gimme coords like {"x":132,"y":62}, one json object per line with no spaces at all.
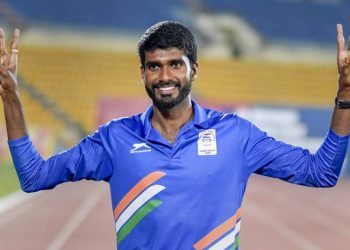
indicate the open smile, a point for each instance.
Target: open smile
{"x":165,"y":89}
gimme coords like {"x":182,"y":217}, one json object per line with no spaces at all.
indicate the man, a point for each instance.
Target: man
{"x":177,"y":172}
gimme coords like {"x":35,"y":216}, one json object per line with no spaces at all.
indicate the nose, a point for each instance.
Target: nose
{"x":165,"y":74}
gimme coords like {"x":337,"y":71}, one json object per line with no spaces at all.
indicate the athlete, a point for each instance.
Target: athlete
{"x":178,"y":171}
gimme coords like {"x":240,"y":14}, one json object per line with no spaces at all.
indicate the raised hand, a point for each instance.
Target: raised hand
{"x":15,"y":123}
{"x":9,"y":60}
{"x":8,"y":64}
{"x":343,"y":59}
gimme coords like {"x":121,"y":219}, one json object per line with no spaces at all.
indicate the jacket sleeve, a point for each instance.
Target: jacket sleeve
{"x":87,"y":160}
{"x":266,"y":156}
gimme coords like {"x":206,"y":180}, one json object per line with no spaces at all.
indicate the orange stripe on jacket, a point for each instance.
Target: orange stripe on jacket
{"x":218,"y":231}
{"x":136,"y":190}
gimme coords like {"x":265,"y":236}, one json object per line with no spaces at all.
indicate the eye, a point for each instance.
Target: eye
{"x":176,"y":64}
{"x":153,"y":67}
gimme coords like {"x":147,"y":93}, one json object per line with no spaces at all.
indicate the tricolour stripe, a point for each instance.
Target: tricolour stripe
{"x":227,"y":240}
{"x":136,"y":204}
{"x":136,"y":218}
{"x":218,"y":231}
{"x":236,"y":244}
{"x":136,"y":190}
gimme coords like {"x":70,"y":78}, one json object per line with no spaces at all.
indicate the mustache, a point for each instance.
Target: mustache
{"x":166,"y":84}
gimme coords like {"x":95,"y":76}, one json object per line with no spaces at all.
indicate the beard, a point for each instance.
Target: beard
{"x":167,"y":102}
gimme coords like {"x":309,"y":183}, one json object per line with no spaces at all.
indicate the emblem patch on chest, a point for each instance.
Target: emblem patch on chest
{"x":207,"y":142}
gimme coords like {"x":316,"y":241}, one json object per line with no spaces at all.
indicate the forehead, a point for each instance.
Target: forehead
{"x":160,"y":55}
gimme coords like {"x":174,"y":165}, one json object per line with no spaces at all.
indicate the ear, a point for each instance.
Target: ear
{"x":195,"y":70}
{"x":142,"y":71}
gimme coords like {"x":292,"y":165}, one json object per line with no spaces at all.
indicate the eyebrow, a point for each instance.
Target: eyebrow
{"x":177,"y":60}
{"x":171,"y":61}
{"x":151,"y":63}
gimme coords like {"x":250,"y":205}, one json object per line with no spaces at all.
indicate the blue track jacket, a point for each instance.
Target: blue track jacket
{"x":181,"y":196}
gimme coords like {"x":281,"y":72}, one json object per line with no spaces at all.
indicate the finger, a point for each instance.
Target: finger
{"x":2,"y":43}
{"x":13,"y":62}
{"x":340,"y":38}
{"x":3,"y":73}
{"x":3,"y":70}
{"x":15,"y":41}
{"x":5,"y":60}
{"x":11,"y":66}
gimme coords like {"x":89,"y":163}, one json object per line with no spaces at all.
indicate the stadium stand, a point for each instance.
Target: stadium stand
{"x":99,"y":14}
{"x":280,"y":20}
{"x":76,"y":79}
{"x":267,"y":83}
{"x":291,"y":21}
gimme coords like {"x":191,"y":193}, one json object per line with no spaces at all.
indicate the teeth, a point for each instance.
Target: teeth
{"x":167,"y":88}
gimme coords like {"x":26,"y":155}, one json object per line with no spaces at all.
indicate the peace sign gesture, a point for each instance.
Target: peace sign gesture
{"x":343,"y":59}
{"x":8,"y":64}
{"x":9,"y":60}
{"x":15,"y":123}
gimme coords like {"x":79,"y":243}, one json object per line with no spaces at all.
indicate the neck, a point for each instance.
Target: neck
{"x":169,"y":122}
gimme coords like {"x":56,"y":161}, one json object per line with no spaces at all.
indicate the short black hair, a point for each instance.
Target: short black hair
{"x":165,"y":35}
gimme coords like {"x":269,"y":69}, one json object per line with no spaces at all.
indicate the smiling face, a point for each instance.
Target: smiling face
{"x":167,"y":75}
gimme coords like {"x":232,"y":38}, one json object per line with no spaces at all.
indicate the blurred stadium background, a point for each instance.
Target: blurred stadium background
{"x":271,"y":61}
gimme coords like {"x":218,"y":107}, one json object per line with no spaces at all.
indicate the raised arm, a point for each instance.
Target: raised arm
{"x":341,"y":117}
{"x":268,"y":157}
{"x":87,"y":160}
{"x":15,"y":123}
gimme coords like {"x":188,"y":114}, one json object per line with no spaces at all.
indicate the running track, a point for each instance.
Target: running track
{"x":275,"y":216}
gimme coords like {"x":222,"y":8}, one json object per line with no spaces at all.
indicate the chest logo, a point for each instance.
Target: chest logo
{"x":140,"y":148}
{"x":207,"y":142}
